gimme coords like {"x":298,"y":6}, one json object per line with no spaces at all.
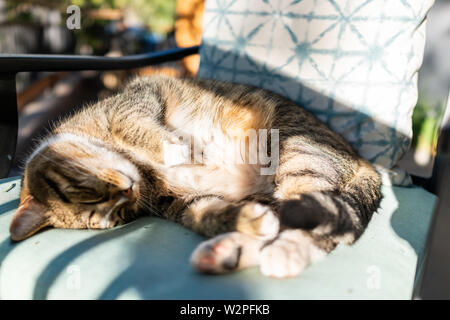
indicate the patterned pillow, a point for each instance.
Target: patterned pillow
{"x":353,"y":63}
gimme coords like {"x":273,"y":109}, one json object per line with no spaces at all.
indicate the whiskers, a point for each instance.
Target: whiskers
{"x":145,"y":203}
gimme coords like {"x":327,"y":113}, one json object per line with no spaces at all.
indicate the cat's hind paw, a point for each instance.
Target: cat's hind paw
{"x":280,"y":261}
{"x":289,"y":254}
{"x":225,"y":253}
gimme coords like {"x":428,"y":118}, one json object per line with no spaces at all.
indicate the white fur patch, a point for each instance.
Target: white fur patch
{"x":57,"y":138}
{"x":219,"y":166}
{"x":289,"y":254}
{"x":270,"y":224}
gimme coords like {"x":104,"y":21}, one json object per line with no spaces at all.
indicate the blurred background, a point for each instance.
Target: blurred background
{"x":124,"y":27}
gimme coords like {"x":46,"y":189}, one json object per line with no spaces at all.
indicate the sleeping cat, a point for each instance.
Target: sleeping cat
{"x":114,"y":161}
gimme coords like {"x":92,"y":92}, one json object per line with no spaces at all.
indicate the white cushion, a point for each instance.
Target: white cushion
{"x":353,"y":63}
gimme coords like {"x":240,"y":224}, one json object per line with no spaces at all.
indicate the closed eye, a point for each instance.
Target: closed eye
{"x":85,"y":195}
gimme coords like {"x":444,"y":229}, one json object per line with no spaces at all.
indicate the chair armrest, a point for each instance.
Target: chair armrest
{"x":11,"y":64}
{"x":14,"y":63}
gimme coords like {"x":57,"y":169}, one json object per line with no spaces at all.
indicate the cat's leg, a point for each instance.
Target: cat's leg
{"x":212,"y":215}
{"x":227,"y":252}
{"x":240,"y":230}
{"x":323,"y":201}
{"x":312,"y":225}
{"x":286,"y":255}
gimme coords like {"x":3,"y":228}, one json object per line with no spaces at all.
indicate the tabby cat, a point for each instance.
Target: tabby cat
{"x":114,"y":161}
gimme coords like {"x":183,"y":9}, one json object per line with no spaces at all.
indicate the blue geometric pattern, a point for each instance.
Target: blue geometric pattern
{"x":353,"y":63}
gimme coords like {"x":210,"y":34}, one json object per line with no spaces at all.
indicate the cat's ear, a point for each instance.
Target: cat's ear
{"x":28,"y":219}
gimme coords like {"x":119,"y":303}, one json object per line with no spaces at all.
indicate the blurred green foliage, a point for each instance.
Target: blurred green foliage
{"x":159,"y":15}
{"x":426,"y":122}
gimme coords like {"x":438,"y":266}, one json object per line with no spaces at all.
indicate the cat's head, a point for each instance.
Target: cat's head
{"x":75,"y":183}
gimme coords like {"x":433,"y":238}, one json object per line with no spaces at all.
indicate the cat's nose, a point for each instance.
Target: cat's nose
{"x":128,"y":193}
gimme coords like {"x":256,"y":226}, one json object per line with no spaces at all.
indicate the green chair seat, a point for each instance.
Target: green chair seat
{"x":149,"y":259}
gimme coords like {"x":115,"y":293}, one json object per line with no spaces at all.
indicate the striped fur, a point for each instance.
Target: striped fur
{"x":107,"y":164}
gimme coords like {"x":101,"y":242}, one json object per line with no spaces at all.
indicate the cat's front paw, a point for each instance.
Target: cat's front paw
{"x":225,"y":253}
{"x":258,"y":220}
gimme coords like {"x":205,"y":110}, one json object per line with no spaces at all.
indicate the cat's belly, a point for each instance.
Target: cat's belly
{"x":233,"y":182}
{"x":211,"y":160}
